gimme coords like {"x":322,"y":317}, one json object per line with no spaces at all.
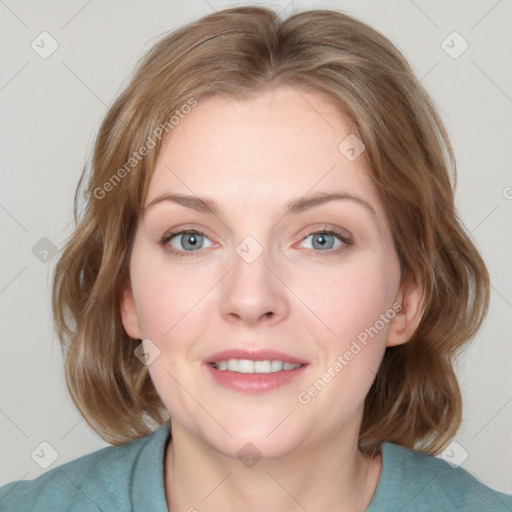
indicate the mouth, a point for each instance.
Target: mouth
{"x":250,"y":366}
{"x":254,"y":371}
{"x":261,"y":360}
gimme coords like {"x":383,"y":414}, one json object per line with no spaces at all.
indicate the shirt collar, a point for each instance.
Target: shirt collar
{"x":147,"y":484}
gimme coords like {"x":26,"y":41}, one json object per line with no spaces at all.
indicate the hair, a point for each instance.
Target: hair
{"x":415,"y":400}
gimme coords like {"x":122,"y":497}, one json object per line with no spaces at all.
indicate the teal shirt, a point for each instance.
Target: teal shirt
{"x":130,"y":478}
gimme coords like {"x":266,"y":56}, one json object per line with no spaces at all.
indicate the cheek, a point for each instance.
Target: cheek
{"x":356,"y":308}
{"x":166,"y":295}
{"x":170,"y":313}
{"x":354,"y":296}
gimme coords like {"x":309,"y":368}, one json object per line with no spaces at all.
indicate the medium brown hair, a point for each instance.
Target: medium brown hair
{"x":415,"y":399}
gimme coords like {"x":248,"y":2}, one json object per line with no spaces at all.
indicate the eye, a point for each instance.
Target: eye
{"x":190,"y":242}
{"x":186,"y":242}
{"x":327,"y":241}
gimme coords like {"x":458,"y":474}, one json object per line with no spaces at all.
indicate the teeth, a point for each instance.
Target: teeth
{"x":248,"y":366}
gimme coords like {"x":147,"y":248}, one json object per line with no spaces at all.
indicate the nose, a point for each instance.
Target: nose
{"x":252,"y":292}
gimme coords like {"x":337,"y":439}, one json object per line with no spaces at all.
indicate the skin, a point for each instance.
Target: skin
{"x":252,"y":157}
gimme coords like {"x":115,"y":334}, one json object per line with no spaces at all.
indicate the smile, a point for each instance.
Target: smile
{"x":249,"y":366}
{"x":254,"y":377}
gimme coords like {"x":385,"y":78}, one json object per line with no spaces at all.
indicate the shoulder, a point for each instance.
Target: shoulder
{"x":416,"y":481}
{"x":100,"y":480}
{"x":76,"y":484}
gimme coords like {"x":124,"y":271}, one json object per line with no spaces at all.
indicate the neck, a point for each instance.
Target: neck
{"x":198,"y":478}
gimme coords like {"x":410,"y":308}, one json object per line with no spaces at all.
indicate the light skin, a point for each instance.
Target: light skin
{"x":252,"y":157}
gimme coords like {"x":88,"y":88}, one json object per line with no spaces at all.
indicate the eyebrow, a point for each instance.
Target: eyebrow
{"x":296,"y":205}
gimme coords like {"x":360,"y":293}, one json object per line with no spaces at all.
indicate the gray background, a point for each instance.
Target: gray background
{"x":52,"y":107}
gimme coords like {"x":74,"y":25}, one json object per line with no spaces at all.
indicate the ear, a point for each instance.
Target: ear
{"x":406,"y":321}
{"x":129,"y":315}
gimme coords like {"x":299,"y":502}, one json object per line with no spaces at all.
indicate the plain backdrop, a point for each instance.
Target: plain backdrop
{"x":51,"y":108}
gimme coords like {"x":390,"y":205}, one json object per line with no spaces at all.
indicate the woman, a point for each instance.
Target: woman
{"x":269,"y":269}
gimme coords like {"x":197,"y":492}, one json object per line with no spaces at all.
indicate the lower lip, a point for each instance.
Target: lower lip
{"x":254,"y":382}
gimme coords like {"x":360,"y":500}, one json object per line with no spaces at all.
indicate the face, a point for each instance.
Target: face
{"x":253,"y":270}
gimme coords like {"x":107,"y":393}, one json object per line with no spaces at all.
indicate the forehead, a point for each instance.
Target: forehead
{"x":282,"y":143}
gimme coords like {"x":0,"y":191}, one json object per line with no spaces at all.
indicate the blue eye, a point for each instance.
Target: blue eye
{"x":323,"y":240}
{"x":185,"y":243}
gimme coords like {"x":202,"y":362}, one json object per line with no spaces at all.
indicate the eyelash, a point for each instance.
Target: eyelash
{"x":331,"y":252}
{"x":167,"y":237}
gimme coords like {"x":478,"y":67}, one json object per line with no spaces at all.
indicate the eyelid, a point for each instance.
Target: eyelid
{"x":324,"y":228}
{"x":176,"y":232}
{"x":330,"y":228}
{"x":344,"y":237}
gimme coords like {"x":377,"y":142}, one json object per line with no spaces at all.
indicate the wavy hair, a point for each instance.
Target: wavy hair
{"x":415,"y":400}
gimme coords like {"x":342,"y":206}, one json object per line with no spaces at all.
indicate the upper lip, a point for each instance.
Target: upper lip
{"x":260,"y":354}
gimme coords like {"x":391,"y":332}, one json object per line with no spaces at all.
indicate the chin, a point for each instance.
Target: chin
{"x":251,"y":449}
